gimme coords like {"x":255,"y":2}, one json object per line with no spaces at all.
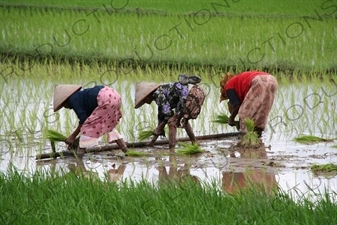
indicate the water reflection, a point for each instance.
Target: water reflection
{"x":174,"y":173}
{"x":114,"y":174}
{"x":261,"y":179}
{"x":79,"y":169}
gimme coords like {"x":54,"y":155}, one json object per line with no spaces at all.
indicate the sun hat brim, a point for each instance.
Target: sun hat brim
{"x":143,"y":89}
{"x":62,"y":92}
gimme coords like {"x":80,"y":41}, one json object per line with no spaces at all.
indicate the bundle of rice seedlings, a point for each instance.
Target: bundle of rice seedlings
{"x":134,"y":153}
{"x":145,"y":134}
{"x":55,"y":136}
{"x":330,"y":167}
{"x":222,"y":119}
{"x":250,"y":139}
{"x":189,"y":149}
{"x":309,"y":139}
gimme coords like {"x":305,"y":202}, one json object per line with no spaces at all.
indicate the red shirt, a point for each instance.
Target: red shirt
{"x":241,"y":82}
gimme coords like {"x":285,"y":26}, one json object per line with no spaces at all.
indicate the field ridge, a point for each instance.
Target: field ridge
{"x":146,"y":12}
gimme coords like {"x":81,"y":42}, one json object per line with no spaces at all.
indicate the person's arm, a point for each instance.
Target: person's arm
{"x":74,"y":104}
{"x":70,"y":140}
{"x":158,"y":131}
{"x":234,"y":113}
{"x":233,"y":105}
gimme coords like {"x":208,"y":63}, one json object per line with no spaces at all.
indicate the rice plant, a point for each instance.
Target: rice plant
{"x":189,"y":149}
{"x":55,"y":136}
{"x":330,"y":167}
{"x":310,"y":139}
{"x":134,"y":153}
{"x":145,"y":134}
{"x":250,"y":139}
{"x":222,"y":119}
{"x":141,"y":41}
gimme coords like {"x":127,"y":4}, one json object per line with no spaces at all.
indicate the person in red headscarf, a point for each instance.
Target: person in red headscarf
{"x":251,"y":95}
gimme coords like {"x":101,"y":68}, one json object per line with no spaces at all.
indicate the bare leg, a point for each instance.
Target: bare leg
{"x":121,"y":144}
{"x":80,"y":152}
{"x":190,"y":132}
{"x":157,"y":131}
{"x":172,"y":137}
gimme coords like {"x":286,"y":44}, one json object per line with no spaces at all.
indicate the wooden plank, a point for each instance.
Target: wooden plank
{"x":133,"y":145}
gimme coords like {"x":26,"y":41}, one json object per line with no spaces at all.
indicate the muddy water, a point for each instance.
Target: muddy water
{"x":307,"y":109}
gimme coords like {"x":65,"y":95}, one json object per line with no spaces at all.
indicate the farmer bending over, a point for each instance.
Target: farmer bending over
{"x":176,"y":105}
{"x":251,"y":95}
{"x":98,"y":111}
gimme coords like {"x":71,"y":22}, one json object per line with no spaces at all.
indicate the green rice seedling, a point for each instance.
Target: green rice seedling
{"x":55,"y":136}
{"x":134,"y":153}
{"x":189,"y":149}
{"x":250,"y":139}
{"x":144,"y":30}
{"x":222,"y":119}
{"x":309,"y":139}
{"x":145,"y":134}
{"x":329,"y":167}
{"x":79,"y":190}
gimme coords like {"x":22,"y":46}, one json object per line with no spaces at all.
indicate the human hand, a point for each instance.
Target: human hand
{"x":70,"y":140}
{"x":231,"y":121}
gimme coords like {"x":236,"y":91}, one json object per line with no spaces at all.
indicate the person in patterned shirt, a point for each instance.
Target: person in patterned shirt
{"x":176,"y":105}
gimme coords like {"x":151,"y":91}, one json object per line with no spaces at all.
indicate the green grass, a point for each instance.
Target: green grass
{"x":79,"y":199}
{"x":247,"y":42}
{"x":272,"y":7}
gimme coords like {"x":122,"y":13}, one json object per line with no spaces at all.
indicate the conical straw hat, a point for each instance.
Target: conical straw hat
{"x":143,"y":89}
{"x":62,"y":92}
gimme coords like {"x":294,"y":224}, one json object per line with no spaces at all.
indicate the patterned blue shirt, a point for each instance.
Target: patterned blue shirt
{"x":170,"y":97}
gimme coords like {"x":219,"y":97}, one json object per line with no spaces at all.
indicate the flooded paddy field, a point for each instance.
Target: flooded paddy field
{"x":307,"y":108}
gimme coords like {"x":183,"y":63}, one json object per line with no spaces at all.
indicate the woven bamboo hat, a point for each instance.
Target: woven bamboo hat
{"x":143,"y":89}
{"x":62,"y":92}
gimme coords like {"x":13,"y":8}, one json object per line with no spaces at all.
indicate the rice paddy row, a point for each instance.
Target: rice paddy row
{"x":129,"y":38}
{"x":26,"y":109}
{"x":258,"y":8}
